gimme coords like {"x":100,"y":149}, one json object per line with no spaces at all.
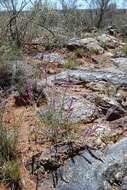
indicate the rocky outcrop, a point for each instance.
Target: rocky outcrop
{"x":112,"y":170}
{"x":121,"y":63}
{"x":94,"y":45}
{"x":110,"y":107}
{"x":84,"y":75}
{"x":108,"y":41}
{"x":89,"y":44}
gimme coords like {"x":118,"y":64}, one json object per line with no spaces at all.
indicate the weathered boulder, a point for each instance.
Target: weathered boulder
{"x":90,"y":44}
{"x":77,"y":76}
{"x":110,"y":107}
{"x":53,"y":57}
{"x":118,"y":54}
{"x":119,"y":123}
{"x":98,"y":175}
{"x":108,"y":41}
{"x":121,"y":63}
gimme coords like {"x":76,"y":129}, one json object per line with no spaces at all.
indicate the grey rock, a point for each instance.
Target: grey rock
{"x":121,"y":63}
{"x":116,"y":173}
{"x":110,"y":75}
{"x":53,"y":57}
{"x":118,"y":54}
{"x":90,"y":44}
{"x":98,"y":175}
{"x":114,"y":113}
{"x":119,"y":123}
{"x":110,"y":107}
{"x":108,"y":41}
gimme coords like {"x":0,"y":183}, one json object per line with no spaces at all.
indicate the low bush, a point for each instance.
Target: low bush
{"x":55,"y":124}
{"x":9,"y":157}
{"x":79,"y":52}
{"x":11,"y":174}
{"x":94,"y":51}
{"x":104,"y":45}
{"x":9,"y":51}
{"x":9,"y":55}
{"x":5,"y":75}
{"x":124,"y":49}
{"x":17,"y":75}
{"x":70,"y":64}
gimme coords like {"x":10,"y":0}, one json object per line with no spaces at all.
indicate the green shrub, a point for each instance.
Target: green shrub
{"x":124,"y":49}
{"x":55,"y":124}
{"x":104,"y":45}
{"x":9,"y":157}
{"x":14,"y":52}
{"x":11,"y":69}
{"x":70,"y":64}
{"x":5,"y":74}
{"x":8,"y":143}
{"x":9,"y":51}
{"x":8,"y":149}
{"x":11,"y":173}
{"x":79,"y":52}
{"x":55,"y":129}
{"x":94,"y":51}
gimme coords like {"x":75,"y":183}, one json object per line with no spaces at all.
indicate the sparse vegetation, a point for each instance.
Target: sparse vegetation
{"x":55,"y":122}
{"x":104,"y":45}
{"x":5,"y":75}
{"x":94,"y":51}
{"x":57,"y":67}
{"x":79,"y":52}
{"x":70,"y":64}
{"x":11,"y":174}
{"x":124,"y":49}
{"x":9,"y":157}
